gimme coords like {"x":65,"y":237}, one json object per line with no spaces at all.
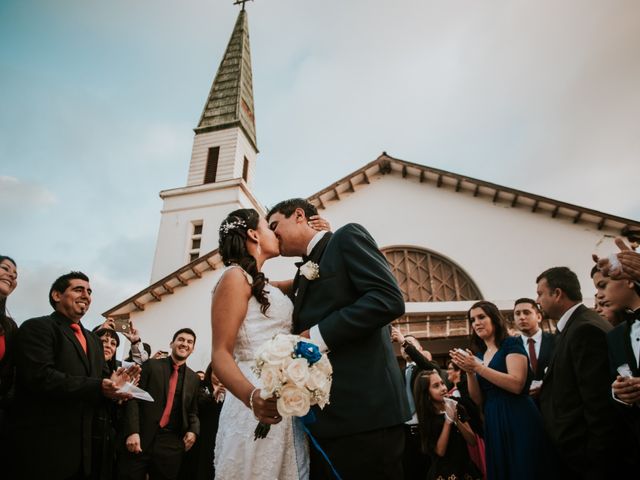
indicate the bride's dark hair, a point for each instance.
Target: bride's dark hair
{"x":233,"y":249}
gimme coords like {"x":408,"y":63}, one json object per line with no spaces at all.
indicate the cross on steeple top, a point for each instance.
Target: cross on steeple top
{"x":238,"y":2}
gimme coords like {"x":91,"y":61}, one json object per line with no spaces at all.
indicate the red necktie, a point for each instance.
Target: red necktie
{"x":78,"y":333}
{"x":532,"y":355}
{"x":173,"y":382}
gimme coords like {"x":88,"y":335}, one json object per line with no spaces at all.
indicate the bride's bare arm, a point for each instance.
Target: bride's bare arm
{"x":284,"y":285}
{"x":228,"y":311}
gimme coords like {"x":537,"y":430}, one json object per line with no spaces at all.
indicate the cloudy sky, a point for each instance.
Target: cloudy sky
{"x":98,"y":101}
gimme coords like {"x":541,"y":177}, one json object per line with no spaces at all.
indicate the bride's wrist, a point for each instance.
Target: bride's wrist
{"x":253,"y":392}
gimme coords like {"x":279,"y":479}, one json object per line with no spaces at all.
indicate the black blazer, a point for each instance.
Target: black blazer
{"x":144,"y":417}
{"x":621,"y":352}
{"x":575,"y":399}
{"x":422,"y":364}
{"x":547,"y":344}
{"x":58,"y":389}
{"x":352,"y":302}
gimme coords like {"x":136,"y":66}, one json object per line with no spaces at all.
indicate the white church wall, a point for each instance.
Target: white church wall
{"x":187,"y":307}
{"x":208,"y":204}
{"x":502,"y":248}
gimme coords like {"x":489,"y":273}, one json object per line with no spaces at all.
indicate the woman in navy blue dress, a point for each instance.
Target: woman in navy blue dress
{"x":499,"y":377}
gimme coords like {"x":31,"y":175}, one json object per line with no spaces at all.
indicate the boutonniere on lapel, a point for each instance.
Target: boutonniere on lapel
{"x":310,"y":270}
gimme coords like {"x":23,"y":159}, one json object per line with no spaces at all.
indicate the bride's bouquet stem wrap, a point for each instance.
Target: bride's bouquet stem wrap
{"x":296,"y":372}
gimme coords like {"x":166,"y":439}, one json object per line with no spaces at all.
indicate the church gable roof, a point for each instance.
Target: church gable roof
{"x":230,"y":101}
{"x":388,"y":165}
{"x":167,"y":285}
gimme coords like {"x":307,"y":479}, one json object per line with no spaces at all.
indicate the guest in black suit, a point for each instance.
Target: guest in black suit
{"x":60,"y":384}
{"x":575,"y":399}
{"x":158,"y":433}
{"x":538,"y":344}
{"x":346,"y":310}
{"x":624,"y":350}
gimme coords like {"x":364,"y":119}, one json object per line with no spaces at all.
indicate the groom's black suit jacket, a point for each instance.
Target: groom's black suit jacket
{"x":352,"y":302}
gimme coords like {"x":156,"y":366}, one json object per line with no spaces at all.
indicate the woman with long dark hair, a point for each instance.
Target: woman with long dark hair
{"x":246,"y":312}
{"x":498,"y":378}
{"x":8,"y":330}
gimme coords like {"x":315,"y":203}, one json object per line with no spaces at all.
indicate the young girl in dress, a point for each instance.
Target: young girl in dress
{"x":444,"y":430}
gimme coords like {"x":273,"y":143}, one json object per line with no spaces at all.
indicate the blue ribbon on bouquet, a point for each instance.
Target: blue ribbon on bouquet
{"x":308,"y":419}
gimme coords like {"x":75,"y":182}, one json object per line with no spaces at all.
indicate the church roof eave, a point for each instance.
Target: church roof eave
{"x":167,"y":285}
{"x":224,"y":126}
{"x":386,"y":165}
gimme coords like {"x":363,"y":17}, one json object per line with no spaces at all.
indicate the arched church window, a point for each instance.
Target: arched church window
{"x":425,"y":276}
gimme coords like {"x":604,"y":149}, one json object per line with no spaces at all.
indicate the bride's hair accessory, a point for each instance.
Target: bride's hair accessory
{"x":228,"y":225}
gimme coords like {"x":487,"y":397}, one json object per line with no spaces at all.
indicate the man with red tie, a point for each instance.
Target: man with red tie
{"x":60,"y":382}
{"x":158,"y":433}
{"x":538,"y":344}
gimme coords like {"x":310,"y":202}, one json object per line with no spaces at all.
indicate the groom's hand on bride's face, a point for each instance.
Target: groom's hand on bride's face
{"x":318,"y":223}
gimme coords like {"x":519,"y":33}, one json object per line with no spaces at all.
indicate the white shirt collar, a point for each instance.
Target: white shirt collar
{"x":565,"y":317}
{"x":314,"y":241}
{"x":537,"y":337}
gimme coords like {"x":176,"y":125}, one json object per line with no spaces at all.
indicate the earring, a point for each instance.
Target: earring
{"x":259,"y":250}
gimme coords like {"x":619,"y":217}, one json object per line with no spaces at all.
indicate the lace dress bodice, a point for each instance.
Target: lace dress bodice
{"x":258,"y":328}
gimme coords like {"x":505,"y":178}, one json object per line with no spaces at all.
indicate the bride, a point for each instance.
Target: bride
{"x":247,"y":311}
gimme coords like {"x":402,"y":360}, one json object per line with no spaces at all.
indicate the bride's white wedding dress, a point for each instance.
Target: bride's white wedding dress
{"x":284,"y":453}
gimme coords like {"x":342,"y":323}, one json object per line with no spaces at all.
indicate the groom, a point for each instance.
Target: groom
{"x":345,"y":307}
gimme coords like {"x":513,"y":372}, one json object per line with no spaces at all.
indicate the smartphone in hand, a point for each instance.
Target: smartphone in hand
{"x":122,"y":325}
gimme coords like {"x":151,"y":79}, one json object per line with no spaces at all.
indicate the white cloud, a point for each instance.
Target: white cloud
{"x":16,"y":194}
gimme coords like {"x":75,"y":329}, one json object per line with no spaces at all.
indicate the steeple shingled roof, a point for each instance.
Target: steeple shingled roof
{"x":230,"y":101}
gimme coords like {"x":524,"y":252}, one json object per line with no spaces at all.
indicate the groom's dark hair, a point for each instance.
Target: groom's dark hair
{"x":287,"y":207}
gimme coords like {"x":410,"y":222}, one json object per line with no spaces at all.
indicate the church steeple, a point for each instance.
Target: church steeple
{"x":230,"y":101}
{"x":224,"y":146}
{"x":222,"y":163}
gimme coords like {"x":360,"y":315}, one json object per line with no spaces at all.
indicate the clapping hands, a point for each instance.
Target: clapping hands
{"x":627,"y":265}
{"x":110,"y":386}
{"x":465,"y":360}
{"x":450,"y":410}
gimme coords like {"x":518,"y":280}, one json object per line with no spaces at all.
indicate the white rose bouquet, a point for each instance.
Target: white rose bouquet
{"x":294,"y":370}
